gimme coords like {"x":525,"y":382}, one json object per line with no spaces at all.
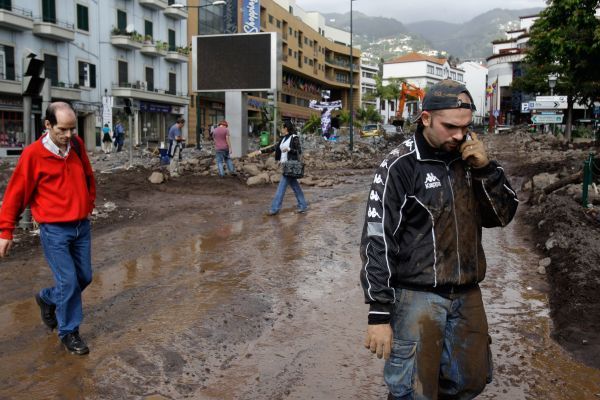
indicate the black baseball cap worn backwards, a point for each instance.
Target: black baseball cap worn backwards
{"x":444,"y":95}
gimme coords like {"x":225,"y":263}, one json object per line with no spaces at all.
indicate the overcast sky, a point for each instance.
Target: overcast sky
{"x":413,"y":11}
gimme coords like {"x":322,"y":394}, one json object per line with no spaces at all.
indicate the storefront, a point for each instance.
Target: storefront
{"x":12,"y":138}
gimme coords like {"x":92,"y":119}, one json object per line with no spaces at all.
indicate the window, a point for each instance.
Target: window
{"x":270,"y":19}
{"x":87,"y":74}
{"x":290,"y":31}
{"x":123,"y":78}
{"x":51,"y":68}
{"x":149,"y":79}
{"x":290,"y":52}
{"x":7,"y":62}
{"x":82,"y":18}
{"x":460,"y":77}
{"x":172,"y":83}
{"x":48,"y":11}
{"x":278,"y":23}
{"x":6,"y":5}
{"x":121,"y":20}
{"x":438,"y":71}
{"x":172,"y":45}
{"x":430,"y":69}
{"x":148,"y":29}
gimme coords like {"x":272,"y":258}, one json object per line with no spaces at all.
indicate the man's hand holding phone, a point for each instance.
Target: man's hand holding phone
{"x":473,"y":152}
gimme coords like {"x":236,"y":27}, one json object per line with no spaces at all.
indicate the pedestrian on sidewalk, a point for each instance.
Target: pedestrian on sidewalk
{"x":176,"y":138}
{"x":422,"y":258}
{"x":106,"y":140}
{"x":54,"y":176}
{"x":288,"y":148}
{"x":223,"y":148}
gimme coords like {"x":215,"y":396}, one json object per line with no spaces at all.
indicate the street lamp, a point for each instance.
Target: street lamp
{"x":552,"y":78}
{"x":351,"y":84}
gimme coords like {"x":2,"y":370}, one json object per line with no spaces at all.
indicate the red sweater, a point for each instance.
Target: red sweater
{"x":56,"y":188}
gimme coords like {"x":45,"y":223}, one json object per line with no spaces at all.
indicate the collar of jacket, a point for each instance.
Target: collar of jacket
{"x":427,"y":153}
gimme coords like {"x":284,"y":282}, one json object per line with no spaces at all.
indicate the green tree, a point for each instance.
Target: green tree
{"x":312,"y":125}
{"x":369,"y":114}
{"x":565,"y":41}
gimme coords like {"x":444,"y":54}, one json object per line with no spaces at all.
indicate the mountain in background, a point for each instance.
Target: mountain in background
{"x":387,"y":37}
{"x":472,"y":39}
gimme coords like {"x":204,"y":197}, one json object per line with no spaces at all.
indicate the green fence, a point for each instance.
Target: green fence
{"x":590,"y":168}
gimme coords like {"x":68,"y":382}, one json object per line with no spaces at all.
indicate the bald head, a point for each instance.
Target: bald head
{"x":54,"y":108}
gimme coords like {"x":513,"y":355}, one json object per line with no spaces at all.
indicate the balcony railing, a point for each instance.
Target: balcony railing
{"x":53,"y":28}
{"x":16,"y":18}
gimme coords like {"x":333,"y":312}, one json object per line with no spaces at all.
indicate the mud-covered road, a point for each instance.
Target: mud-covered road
{"x":200,"y":296}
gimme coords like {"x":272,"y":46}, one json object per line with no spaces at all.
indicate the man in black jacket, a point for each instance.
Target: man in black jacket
{"x":422,"y":254}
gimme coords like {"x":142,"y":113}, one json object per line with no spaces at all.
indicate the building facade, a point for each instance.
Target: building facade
{"x":506,"y":63}
{"x":419,"y":70}
{"x":95,"y":55}
{"x":315,"y":58}
{"x":475,"y":78}
{"x":368,"y":85}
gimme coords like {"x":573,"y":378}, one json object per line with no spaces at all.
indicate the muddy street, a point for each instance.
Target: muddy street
{"x":201,"y":296}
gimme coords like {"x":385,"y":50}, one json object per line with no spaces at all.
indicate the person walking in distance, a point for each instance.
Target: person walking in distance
{"x":176,"y":137}
{"x":55,"y":178}
{"x":223,"y":148}
{"x":106,"y":140}
{"x":119,"y":135}
{"x":422,"y":257}
{"x":288,"y":148}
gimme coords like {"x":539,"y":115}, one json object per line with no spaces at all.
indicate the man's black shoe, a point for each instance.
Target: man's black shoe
{"x":47,"y":311}
{"x":74,"y":343}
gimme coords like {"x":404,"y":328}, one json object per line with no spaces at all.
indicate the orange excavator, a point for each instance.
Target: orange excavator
{"x":408,"y":90}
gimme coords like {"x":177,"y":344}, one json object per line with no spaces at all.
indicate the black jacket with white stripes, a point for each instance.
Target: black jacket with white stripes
{"x":423,"y":223}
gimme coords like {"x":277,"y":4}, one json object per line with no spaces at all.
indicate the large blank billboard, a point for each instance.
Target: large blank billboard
{"x":236,"y":62}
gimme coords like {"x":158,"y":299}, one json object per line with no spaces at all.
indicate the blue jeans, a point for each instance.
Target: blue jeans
{"x":278,"y":199}
{"x":67,"y":247}
{"x":224,"y":155}
{"x":440,"y":348}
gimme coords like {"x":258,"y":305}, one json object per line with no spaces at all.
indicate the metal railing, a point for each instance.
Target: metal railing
{"x":18,"y":10}
{"x":57,"y":22}
{"x":146,"y":88}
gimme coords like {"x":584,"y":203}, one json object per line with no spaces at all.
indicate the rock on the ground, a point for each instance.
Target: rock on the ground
{"x":156,"y":177}
{"x":258,"y":179}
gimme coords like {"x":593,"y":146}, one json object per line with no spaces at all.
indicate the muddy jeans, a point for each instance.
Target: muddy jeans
{"x":440,"y":348}
{"x":67,"y":247}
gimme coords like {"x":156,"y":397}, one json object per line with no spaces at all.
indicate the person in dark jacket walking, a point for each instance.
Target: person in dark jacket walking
{"x":422,"y":258}
{"x":288,"y":148}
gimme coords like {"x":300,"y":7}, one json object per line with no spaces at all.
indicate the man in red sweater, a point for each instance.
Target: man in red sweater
{"x":55,"y":178}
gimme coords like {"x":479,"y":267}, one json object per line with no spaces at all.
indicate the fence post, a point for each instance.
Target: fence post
{"x":587,"y":179}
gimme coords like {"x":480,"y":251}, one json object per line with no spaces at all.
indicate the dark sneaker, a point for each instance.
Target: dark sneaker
{"x":302,"y":210}
{"x":47,"y":311}
{"x":74,"y":343}
{"x":270,"y":213}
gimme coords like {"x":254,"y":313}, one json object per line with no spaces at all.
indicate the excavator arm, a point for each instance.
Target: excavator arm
{"x":407,"y":90}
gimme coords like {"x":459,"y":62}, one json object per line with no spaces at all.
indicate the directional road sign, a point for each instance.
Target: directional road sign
{"x":547,"y":119}
{"x":561,"y":99}
{"x":547,"y":105}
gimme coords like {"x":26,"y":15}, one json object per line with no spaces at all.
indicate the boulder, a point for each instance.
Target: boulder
{"x":156,"y":177}
{"x":258,"y":179}
{"x":251,"y":169}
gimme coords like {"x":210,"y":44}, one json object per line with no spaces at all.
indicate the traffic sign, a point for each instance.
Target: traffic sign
{"x":547,"y":105}
{"x":561,"y":99}
{"x":525,"y":108}
{"x":547,"y":119}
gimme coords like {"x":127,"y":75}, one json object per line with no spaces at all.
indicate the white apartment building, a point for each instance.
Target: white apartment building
{"x":368,"y":84}
{"x":505,"y":63}
{"x":95,"y":51}
{"x":475,"y":78}
{"x":419,"y":70}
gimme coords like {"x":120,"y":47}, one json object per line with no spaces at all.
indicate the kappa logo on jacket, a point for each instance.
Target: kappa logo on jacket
{"x":372,"y":213}
{"x":432,"y":181}
{"x":374,"y":196}
{"x":377,"y":179}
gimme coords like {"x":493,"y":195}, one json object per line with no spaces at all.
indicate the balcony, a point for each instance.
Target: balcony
{"x":157,"y":49}
{"x":124,"y":40}
{"x":177,"y":55}
{"x":17,"y":19}
{"x":11,"y":85}
{"x":55,"y":30}
{"x":176,"y":12}
{"x":66,"y":91}
{"x":154,"y":4}
{"x":137,"y":90}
